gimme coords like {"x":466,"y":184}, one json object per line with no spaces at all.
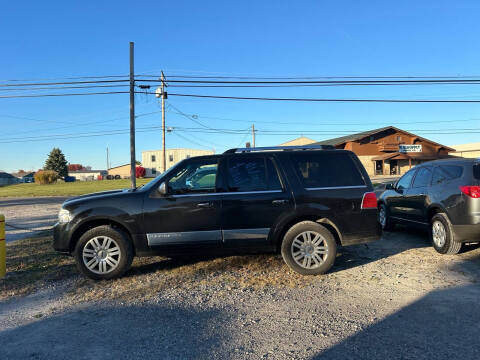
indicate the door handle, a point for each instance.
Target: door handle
{"x":205,"y":205}
{"x":280,"y":202}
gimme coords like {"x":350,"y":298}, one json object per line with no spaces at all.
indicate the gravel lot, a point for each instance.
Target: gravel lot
{"x":395,"y":298}
{"x":25,"y":217}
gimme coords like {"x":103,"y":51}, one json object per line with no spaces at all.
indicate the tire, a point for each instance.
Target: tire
{"x":314,"y":238}
{"x":387,"y":224}
{"x":442,"y":236}
{"x":109,"y":245}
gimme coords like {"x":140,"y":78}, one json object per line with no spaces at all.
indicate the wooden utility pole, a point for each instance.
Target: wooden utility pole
{"x":132,"y":119}
{"x":253,"y":135}
{"x":108,"y":162}
{"x":164,"y":153}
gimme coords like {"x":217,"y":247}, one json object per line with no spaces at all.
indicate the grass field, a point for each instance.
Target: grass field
{"x":66,"y":189}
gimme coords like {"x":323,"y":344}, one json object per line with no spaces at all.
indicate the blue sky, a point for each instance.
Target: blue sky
{"x":58,"y":39}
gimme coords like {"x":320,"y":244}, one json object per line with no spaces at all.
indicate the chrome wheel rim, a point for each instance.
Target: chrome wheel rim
{"x":439,"y":234}
{"x":382,"y":218}
{"x":101,"y":255}
{"x":309,"y":249}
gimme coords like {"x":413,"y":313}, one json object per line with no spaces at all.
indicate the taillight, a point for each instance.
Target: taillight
{"x":369,"y":201}
{"x":472,"y":191}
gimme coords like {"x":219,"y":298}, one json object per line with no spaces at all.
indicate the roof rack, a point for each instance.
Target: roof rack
{"x":280,"y":148}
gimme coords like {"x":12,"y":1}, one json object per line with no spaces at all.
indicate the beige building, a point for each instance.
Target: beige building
{"x":153,"y":164}
{"x":471,"y":150}
{"x":299,"y":142}
{"x":123,"y":171}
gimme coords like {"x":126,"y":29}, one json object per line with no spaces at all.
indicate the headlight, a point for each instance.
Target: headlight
{"x":64,"y":216}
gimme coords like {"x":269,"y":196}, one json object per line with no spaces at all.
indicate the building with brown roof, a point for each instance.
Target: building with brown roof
{"x":389,"y":150}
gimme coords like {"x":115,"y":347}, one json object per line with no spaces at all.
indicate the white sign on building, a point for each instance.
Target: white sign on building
{"x":409,"y":148}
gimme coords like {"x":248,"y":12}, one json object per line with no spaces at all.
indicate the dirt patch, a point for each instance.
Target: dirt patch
{"x":32,"y":264}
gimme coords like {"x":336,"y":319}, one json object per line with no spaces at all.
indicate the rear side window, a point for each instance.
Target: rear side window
{"x":326,"y":170}
{"x":252,"y":174}
{"x":423,"y":178}
{"x":476,"y":171}
{"x":446,"y":173}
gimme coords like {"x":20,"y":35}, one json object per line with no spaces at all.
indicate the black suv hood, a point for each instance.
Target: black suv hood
{"x":97,"y":195}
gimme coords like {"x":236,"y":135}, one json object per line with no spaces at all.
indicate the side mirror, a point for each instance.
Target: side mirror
{"x":389,"y":187}
{"x":162,"y":189}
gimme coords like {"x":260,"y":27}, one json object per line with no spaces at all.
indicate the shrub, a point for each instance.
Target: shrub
{"x":46,"y":177}
{"x":139,"y":172}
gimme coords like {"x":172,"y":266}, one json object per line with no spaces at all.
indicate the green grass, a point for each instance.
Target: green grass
{"x":66,"y":189}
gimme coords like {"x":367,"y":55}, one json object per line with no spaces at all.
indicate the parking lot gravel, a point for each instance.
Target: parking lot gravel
{"x":29,"y":216}
{"x":394,"y":298}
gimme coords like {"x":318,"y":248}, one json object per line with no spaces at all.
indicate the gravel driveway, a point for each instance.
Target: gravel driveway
{"x":396,"y":298}
{"x":25,"y":217}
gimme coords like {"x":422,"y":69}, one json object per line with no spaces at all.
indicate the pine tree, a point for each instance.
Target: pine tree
{"x":56,"y":161}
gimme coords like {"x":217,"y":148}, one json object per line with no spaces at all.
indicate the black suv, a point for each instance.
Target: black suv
{"x":302,"y":201}
{"x":443,"y":195}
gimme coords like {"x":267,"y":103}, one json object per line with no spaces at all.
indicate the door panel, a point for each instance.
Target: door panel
{"x":396,"y":202}
{"x":190,"y":211}
{"x":255,"y":198}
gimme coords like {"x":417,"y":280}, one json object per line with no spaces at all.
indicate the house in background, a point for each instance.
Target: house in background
{"x":389,"y":150}
{"x":153,"y":164}
{"x":87,"y":175}
{"x":25,"y":176}
{"x":8,"y":179}
{"x":120,"y":172}
{"x":471,"y":150}
{"x":302,"y":140}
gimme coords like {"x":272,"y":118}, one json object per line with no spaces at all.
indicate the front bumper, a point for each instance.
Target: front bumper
{"x":61,"y":237}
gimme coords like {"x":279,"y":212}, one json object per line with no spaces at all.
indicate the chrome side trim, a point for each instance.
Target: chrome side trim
{"x":408,"y":220}
{"x":183,"y":237}
{"x":337,"y":187}
{"x":230,"y":193}
{"x":245,"y":234}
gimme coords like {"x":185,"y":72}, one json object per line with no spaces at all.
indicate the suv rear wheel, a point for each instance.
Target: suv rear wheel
{"x":309,"y":248}
{"x":442,"y":235}
{"x":103,"y":253}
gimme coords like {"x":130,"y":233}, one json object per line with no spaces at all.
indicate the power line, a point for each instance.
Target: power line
{"x":435,"y":81}
{"x":56,"y":95}
{"x":62,"y":87}
{"x":318,"y":100}
{"x":63,"y":83}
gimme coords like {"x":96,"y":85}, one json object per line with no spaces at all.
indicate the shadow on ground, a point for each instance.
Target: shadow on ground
{"x":119,"y":332}
{"x":442,"y":325}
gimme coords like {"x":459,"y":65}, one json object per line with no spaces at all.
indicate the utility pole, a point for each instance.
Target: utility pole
{"x":132,"y":119}
{"x":164,"y":153}
{"x":253,"y":135}
{"x":108,"y":161}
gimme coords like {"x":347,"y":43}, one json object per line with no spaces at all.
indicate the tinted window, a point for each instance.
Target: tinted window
{"x":405,"y":180}
{"x":446,"y":173}
{"x":476,"y":171}
{"x":423,"y":178}
{"x":196,"y":176}
{"x":250,"y":174}
{"x":327,"y":169}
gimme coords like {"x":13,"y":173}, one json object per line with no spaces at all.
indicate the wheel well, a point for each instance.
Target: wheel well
{"x":432,"y":211}
{"x":323,"y":221}
{"x":82,"y":229}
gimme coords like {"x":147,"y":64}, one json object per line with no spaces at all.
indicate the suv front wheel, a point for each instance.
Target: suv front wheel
{"x":309,"y":248}
{"x":103,"y":253}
